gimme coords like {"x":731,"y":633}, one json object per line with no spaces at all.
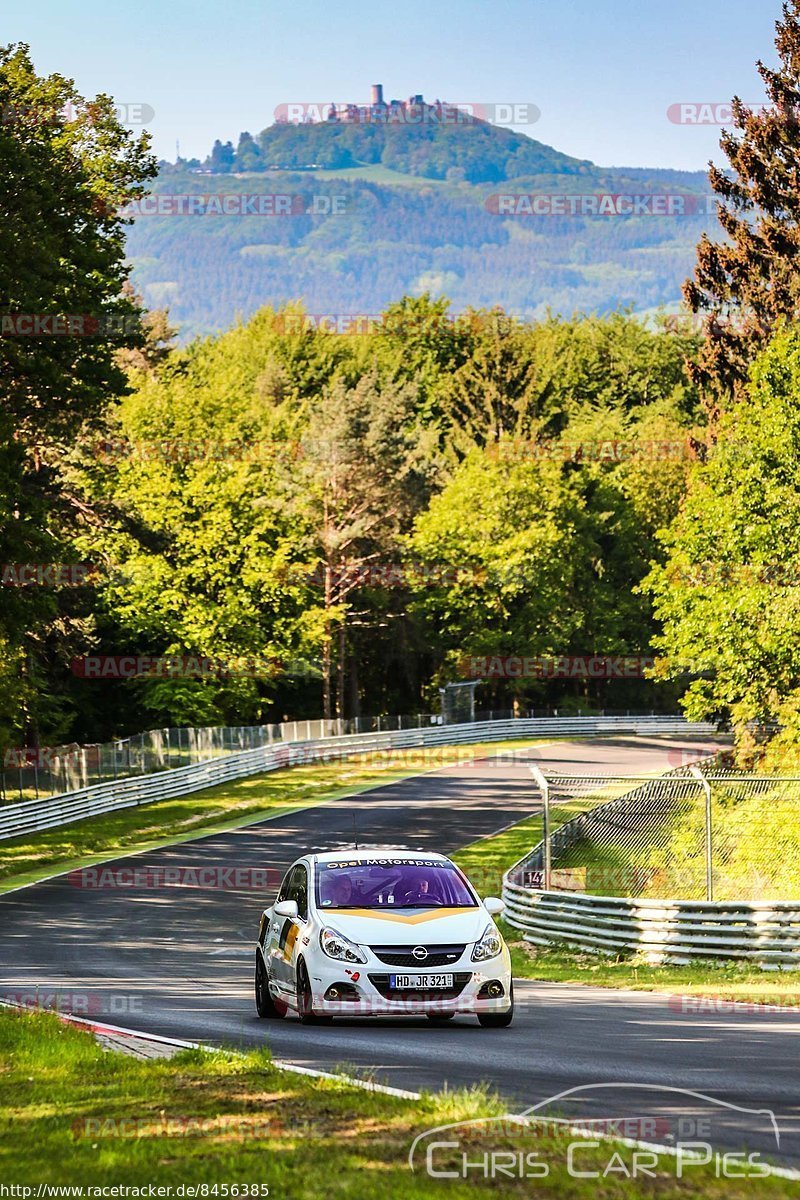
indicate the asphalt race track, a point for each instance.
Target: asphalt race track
{"x":178,"y":961}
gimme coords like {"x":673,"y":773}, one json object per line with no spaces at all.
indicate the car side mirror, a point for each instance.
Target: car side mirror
{"x":493,"y":905}
{"x":286,"y":908}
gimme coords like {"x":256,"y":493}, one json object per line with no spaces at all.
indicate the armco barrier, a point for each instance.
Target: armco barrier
{"x":32,"y":815}
{"x":765,"y":932}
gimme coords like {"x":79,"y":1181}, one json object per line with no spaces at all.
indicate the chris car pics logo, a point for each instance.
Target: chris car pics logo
{"x":611,"y":1131}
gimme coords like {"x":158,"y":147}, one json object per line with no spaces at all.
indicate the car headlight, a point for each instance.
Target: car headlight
{"x":488,"y":946}
{"x":335,"y":945}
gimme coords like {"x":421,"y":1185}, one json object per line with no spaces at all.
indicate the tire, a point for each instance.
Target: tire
{"x":498,"y":1020}
{"x":265,"y":1005}
{"x":305,"y":999}
{"x":440,"y":1018}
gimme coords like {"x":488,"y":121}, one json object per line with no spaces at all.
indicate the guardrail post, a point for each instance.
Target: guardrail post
{"x":706,"y":786}
{"x":544,"y":788}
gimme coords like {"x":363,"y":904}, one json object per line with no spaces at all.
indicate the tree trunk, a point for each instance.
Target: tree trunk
{"x":326,"y":648}
{"x":352,"y":676}
{"x":341,"y":674}
{"x":326,"y":674}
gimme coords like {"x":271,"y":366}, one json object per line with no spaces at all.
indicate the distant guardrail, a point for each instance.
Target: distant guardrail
{"x":36,"y":772}
{"x":32,"y":815}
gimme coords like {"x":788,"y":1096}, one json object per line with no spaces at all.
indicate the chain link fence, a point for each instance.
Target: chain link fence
{"x":696,"y":833}
{"x":29,"y":774}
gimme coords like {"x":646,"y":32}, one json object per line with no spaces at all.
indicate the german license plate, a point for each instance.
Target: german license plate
{"x":423,"y":982}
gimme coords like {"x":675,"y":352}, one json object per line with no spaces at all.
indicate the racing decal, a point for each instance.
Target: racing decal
{"x":288,"y":938}
{"x":417,"y":918}
{"x":387,"y":862}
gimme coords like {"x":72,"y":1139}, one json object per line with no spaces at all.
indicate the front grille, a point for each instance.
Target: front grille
{"x":460,"y":981}
{"x":401,"y":956}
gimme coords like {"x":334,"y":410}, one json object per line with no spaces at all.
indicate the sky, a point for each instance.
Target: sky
{"x":603,"y":73}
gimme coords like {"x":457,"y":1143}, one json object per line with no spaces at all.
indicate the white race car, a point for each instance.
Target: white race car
{"x":387,"y":932}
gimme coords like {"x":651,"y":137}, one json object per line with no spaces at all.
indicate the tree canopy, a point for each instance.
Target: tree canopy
{"x":66,"y":165}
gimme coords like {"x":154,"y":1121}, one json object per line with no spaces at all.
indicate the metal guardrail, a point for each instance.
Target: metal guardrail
{"x":35,"y":772}
{"x":32,"y":815}
{"x":765,"y":932}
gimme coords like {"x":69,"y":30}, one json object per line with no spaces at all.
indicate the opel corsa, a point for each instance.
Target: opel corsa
{"x":382,"y":933}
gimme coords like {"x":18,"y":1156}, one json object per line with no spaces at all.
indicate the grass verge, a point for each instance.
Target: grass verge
{"x":487,"y":859}
{"x":73,"y":1114}
{"x":227,"y":806}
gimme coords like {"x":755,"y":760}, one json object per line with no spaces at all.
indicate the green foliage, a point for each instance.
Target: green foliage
{"x":269,"y":467}
{"x":67,"y":166}
{"x":210,"y":494}
{"x":728,"y":592}
{"x":514,"y":533}
{"x":584,"y":455}
{"x":483,"y":153}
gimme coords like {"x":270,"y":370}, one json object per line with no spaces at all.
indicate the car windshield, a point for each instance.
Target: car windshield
{"x":392,"y":883}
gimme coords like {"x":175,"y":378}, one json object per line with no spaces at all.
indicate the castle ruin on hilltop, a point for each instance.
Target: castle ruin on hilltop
{"x":413,"y":111}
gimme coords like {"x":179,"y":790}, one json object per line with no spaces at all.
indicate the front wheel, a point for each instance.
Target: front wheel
{"x":498,"y":1020}
{"x":265,"y":1005}
{"x":305,"y":1000}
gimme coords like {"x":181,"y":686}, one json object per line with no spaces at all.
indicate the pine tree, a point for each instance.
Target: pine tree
{"x":222,"y":157}
{"x":746,"y":285}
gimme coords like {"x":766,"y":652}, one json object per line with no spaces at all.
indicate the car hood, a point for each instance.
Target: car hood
{"x":407,"y":927}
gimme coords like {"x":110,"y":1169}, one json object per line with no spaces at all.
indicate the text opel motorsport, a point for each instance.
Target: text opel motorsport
{"x":380,"y":933}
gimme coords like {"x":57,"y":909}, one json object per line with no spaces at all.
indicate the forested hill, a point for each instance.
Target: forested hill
{"x":402,"y":211}
{"x":474,"y":151}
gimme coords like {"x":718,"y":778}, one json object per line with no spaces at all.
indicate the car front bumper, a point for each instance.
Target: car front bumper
{"x":367,"y":992}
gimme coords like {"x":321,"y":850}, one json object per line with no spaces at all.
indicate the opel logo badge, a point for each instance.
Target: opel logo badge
{"x":420,"y":953}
